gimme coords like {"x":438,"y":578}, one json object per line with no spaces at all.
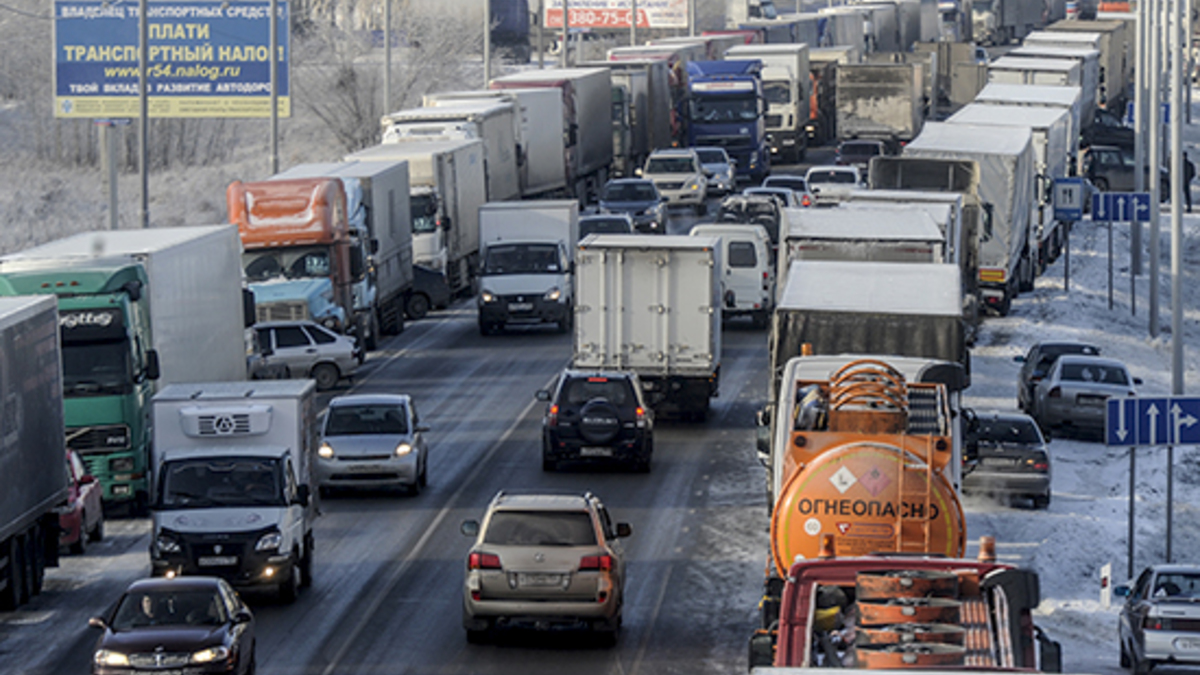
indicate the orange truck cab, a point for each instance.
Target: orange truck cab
{"x":300,"y":255}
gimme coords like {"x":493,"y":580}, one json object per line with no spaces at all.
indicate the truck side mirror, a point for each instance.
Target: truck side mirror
{"x":303,"y":496}
{"x":446,"y":223}
{"x":152,"y":370}
{"x":356,"y":263}
{"x":133,"y":289}
{"x":249,"y":314}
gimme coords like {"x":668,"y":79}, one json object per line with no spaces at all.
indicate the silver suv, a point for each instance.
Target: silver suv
{"x":679,"y":176}
{"x":542,"y":560}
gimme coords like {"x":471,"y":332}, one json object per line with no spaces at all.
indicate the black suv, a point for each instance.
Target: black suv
{"x":597,"y":415}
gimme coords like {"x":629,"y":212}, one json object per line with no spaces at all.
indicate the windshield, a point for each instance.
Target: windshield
{"x":582,"y":390}
{"x":830,"y":177}
{"x":358,"y":420}
{"x":1177,"y":585}
{"x":424,"y":213}
{"x":670,"y":165}
{"x":540,"y":528}
{"x":522,"y":259}
{"x":169,"y":608}
{"x":293,"y":262}
{"x":96,"y":368}
{"x":712,"y":156}
{"x":777,"y":92}
{"x":1091,"y":372}
{"x":221,"y":481}
{"x":725,"y":109}
{"x":603,"y":226}
{"x":630,"y":192}
{"x":1022,"y":431}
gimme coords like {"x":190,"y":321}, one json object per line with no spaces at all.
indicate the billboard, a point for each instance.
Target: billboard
{"x":206,"y":59}
{"x":615,"y":13}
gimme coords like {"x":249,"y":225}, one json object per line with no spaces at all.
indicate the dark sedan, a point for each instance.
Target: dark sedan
{"x":192,"y":625}
{"x":640,"y":199}
{"x":1006,"y":456}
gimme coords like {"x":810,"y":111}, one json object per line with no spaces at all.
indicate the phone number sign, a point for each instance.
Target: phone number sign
{"x":616,"y":13}
{"x":205,"y":59}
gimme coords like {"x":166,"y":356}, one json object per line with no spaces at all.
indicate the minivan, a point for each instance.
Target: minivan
{"x":748,"y":277}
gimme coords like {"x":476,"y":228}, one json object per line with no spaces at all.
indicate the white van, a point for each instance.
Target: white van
{"x":748,"y":277}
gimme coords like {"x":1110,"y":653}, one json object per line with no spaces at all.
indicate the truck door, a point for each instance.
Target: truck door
{"x":744,"y":269}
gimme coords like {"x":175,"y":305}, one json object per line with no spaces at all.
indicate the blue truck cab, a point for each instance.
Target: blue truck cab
{"x":726,"y":108}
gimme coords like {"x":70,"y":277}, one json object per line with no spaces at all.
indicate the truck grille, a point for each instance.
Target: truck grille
{"x":670,"y":186}
{"x":98,"y":439}
{"x":281,"y":311}
{"x":223,"y":424}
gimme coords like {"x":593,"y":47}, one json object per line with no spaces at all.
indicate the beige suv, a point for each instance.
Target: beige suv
{"x":542,"y":560}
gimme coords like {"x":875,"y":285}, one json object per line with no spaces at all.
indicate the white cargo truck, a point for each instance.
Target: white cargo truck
{"x":1018,"y":70}
{"x":197,"y":310}
{"x":493,"y":122}
{"x":1038,"y":96}
{"x":540,"y":150}
{"x":232,"y":470}
{"x":447,"y":185}
{"x":1117,"y":46}
{"x":377,"y":202}
{"x":1006,"y":183}
{"x":1090,"y":87}
{"x":787,"y":88}
{"x":882,"y":101}
{"x":652,"y":305}
{"x":526,"y":273}
{"x":33,"y":451}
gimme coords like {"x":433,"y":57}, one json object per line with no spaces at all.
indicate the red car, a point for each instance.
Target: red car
{"x":82,"y":519}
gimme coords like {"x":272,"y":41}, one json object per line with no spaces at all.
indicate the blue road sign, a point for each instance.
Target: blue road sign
{"x":1121,"y":207}
{"x":1165,"y":109}
{"x":1068,"y":199}
{"x":1153,"y":421}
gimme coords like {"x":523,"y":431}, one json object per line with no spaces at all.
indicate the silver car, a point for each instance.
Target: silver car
{"x":679,"y":177}
{"x":1074,"y":392}
{"x":720,"y":169}
{"x":308,"y":349}
{"x":1160,"y":620}
{"x":372,"y":441}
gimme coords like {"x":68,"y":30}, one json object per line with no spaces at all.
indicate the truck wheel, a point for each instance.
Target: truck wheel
{"x":568,"y":320}
{"x":14,"y":583}
{"x":79,"y":547}
{"x":97,"y":533}
{"x":289,"y":588}
{"x":306,"y":563}
{"x":326,"y":375}
{"x":417,"y":306}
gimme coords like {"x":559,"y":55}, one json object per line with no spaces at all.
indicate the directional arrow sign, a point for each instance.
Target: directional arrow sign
{"x":1100,"y":207}
{"x":1153,"y":421}
{"x":1141,"y":207}
{"x":1121,"y":421}
{"x":1185,"y":421}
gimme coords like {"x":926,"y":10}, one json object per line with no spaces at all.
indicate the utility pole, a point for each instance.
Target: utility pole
{"x":541,"y":43}
{"x":1181,"y":24}
{"x":563,"y":58}
{"x":692,"y":18}
{"x":487,"y":43}
{"x":1154,"y":144}
{"x":1139,"y":139}
{"x":387,"y":56}
{"x":633,"y":24}
{"x":144,"y":108}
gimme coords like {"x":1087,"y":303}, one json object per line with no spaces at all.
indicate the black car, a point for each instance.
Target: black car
{"x":755,"y":210}
{"x":597,"y":416}
{"x":430,"y":291}
{"x":1108,"y":129}
{"x":1037,"y":363}
{"x":182,"y":625}
{"x":1005,"y":455}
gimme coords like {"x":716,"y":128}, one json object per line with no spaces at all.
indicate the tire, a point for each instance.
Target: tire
{"x":29,"y":573}
{"x":568,"y":321}
{"x":608,"y":633}
{"x":253,"y":667}
{"x":326,"y":375}
{"x":1041,"y":502}
{"x":79,"y":547}
{"x":10,"y":595}
{"x":371,"y":329}
{"x":487,"y":329}
{"x":479,"y":637}
{"x":599,"y":421}
{"x":549,"y":465}
{"x":289,"y":588}
{"x":1101,"y":184}
{"x":1124,"y":656}
{"x":97,"y":533}
{"x":417,"y":306}
{"x":414,"y":488}
{"x":423,"y":478}
{"x":306,"y":563}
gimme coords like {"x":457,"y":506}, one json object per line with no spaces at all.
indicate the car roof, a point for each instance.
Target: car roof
{"x":674,"y":152}
{"x":832,"y":167}
{"x":1065,"y":343}
{"x":630,"y":181}
{"x":1088,"y":358}
{"x":540,"y":501}
{"x":605,"y":216}
{"x":1171,"y":568}
{"x":179,"y":583}
{"x":1003,"y":416}
{"x":292,"y":322}
{"x":370,"y":399}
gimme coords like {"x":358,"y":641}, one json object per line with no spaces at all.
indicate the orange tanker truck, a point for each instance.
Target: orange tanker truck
{"x":867,"y":531}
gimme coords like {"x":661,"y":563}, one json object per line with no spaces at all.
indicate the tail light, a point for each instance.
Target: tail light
{"x":1156,"y":623}
{"x":1055,"y":393}
{"x":806,"y":201}
{"x":483,"y":561}
{"x":1038,"y":464}
{"x":595,"y":563}
{"x":552,"y":416}
{"x":640,"y":412}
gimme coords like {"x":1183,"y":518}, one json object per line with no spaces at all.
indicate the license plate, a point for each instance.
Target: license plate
{"x":520,"y":306}
{"x":999,"y":461}
{"x":1188,"y":644}
{"x":595,"y":452}
{"x":539,"y":579}
{"x":1085,"y":399}
{"x":363,"y":468}
{"x":120,"y":489}
{"x":217,"y":560}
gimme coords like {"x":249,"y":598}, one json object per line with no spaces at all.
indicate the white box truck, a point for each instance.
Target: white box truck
{"x":33,"y":451}
{"x":787,"y":88}
{"x":493,"y":122}
{"x":1038,"y":96}
{"x":1090,"y":82}
{"x":526,"y":273}
{"x":232,"y":473}
{"x":447,"y":185}
{"x":377,"y":204}
{"x":652,"y":305}
{"x":883,"y":101}
{"x":540,"y":153}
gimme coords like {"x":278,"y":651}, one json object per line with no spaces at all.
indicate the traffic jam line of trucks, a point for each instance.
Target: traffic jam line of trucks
{"x":862,"y":431}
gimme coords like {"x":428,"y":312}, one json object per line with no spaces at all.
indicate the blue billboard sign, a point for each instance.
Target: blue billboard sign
{"x":205,"y":59}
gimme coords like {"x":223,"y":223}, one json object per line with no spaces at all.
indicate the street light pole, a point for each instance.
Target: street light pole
{"x":1177,"y":197}
{"x":633,"y":24}
{"x":487,"y":43}
{"x":387,"y":56}
{"x":1154,"y":145}
{"x":144,"y":108}
{"x":1139,"y":139}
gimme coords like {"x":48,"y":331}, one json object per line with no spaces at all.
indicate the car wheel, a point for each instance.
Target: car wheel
{"x":608,"y":632}
{"x":1142,"y":667}
{"x":371,"y":339}
{"x":417,"y":306}
{"x":1041,"y":501}
{"x":253,"y":667}
{"x":1101,"y":184}
{"x":479,"y":637}
{"x":568,"y":320}
{"x":97,"y":533}
{"x":549,"y":465}
{"x":79,"y":546}
{"x":326,"y":375}
{"x":1124,"y":656}
{"x":423,"y":479}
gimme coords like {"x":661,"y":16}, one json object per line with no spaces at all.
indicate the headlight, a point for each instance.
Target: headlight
{"x":104,"y":657}
{"x":325,"y":451}
{"x":486,"y":296}
{"x":694,"y":185}
{"x":269,"y":542}
{"x":330,"y":322}
{"x":209,"y":655}
{"x":166,"y":544}
{"x":403,"y":449}
{"x":552,"y":295}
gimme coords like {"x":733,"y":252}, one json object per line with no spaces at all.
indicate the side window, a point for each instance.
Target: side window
{"x":264,"y":338}
{"x":319,"y":336}
{"x":1143,"y":582}
{"x":605,"y":523}
{"x":229,"y":599}
{"x":412,"y":410}
{"x":290,"y":336}
{"x":741,"y":254}
{"x":289,"y":481}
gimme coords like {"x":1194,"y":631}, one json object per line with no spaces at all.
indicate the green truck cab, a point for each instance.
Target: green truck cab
{"x":108,"y":364}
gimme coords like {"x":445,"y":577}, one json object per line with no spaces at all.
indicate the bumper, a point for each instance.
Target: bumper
{"x":1070,"y":414}
{"x":478,"y":613}
{"x":508,"y":310}
{"x":1176,"y":647}
{"x":349,"y":473}
{"x":683,"y":197}
{"x":574,"y":449}
{"x":205,"y":669}
{"x":1001,"y":483}
{"x":720,"y":185}
{"x":254,"y":571}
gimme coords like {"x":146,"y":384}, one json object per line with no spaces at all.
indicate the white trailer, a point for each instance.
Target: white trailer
{"x":1038,"y":96}
{"x":880,"y":100}
{"x":844,"y":27}
{"x":447,"y":186}
{"x":378,"y":206}
{"x":1117,"y":46}
{"x":195,"y":275}
{"x":787,"y":88}
{"x":493,"y":122}
{"x":1006,"y":162}
{"x":652,"y":305}
{"x":540,"y":133}
{"x":1017,"y":70}
{"x":1091,"y":91}
{"x":1000,"y":22}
